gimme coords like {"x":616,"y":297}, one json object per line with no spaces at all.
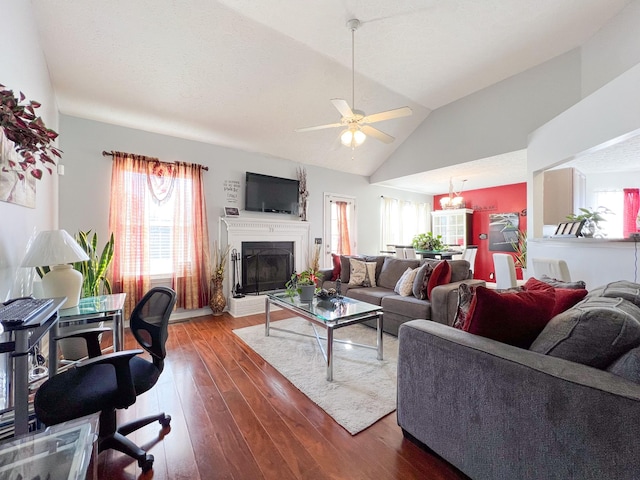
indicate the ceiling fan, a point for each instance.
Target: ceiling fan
{"x":355,"y":123}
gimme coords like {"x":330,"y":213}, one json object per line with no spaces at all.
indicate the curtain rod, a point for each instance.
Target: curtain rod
{"x":110,"y":154}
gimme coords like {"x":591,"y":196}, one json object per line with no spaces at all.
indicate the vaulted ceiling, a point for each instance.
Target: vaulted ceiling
{"x":245,"y":73}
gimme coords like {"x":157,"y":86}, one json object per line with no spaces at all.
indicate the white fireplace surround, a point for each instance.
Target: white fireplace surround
{"x":234,"y":231}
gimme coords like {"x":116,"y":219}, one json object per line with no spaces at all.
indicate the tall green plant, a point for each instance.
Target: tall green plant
{"x":94,"y":270}
{"x":520,"y":247}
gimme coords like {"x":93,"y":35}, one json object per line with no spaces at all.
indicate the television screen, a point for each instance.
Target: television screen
{"x":264,"y":193}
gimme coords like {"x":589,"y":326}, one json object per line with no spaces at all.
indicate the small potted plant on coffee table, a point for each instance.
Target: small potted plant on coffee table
{"x":303,"y":284}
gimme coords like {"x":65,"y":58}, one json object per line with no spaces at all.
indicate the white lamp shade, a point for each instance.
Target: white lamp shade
{"x":53,"y":247}
{"x":57,"y":249}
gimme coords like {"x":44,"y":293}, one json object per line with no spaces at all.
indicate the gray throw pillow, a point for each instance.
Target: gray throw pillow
{"x":421,"y":281}
{"x":621,"y":288}
{"x":554,"y":282}
{"x":392,"y":270}
{"x":628,"y":366}
{"x":595,"y":332}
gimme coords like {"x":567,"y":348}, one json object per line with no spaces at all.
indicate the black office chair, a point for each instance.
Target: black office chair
{"x":105,"y":383}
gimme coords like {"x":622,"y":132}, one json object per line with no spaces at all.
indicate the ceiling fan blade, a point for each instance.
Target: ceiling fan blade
{"x":343,"y":107}
{"x":318,"y":127}
{"x":377,"y":134}
{"x":388,"y":115}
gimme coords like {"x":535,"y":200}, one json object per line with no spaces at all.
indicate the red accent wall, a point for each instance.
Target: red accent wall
{"x":485,"y":201}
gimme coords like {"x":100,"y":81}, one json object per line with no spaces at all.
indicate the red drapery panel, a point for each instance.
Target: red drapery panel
{"x":630,"y":212}
{"x":140,"y":188}
{"x":344,"y":242}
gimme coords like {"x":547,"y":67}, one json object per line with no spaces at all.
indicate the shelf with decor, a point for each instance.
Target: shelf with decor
{"x":455,"y":226}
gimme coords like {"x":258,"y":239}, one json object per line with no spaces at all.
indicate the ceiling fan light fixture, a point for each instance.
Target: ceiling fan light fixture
{"x":352,"y":137}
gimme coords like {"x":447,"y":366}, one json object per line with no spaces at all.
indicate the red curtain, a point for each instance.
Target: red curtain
{"x":630,"y":212}
{"x":344,"y":242}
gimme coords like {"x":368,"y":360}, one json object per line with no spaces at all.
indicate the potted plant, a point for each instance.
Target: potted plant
{"x":303,"y":284}
{"x":520,"y":247}
{"x":592,"y":219}
{"x":428,"y":241}
{"x":33,"y":140}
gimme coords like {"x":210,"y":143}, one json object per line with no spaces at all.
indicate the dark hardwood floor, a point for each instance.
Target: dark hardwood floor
{"x":235,"y":417}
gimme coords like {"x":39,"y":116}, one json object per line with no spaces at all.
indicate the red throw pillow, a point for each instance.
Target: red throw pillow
{"x":513,"y":318}
{"x":441,"y":275}
{"x":335,"y":274}
{"x":565,"y":297}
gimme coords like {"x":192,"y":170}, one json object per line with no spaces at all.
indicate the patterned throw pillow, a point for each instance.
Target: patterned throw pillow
{"x":421,"y":282}
{"x":404,"y":287}
{"x":362,"y":274}
{"x":465,"y":297}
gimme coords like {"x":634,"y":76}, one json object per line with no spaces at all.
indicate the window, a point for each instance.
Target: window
{"x":401,"y":220}
{"x":614,"y":201}
{"x":158,"y":219}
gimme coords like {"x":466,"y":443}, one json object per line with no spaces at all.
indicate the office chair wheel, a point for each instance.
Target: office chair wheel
{"x":146,"y":463}
{"x":165,"y":421}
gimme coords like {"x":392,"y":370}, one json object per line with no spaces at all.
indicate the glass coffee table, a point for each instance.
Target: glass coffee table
{"x":329,"y":314}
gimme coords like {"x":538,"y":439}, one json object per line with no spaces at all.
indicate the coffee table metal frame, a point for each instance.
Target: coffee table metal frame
{"x":329,"y":319}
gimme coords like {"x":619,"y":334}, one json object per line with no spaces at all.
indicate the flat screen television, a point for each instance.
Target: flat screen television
{"x":264,"y":193}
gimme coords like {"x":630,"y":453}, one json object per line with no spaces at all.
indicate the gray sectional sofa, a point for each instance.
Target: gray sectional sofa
{"x":440,"y":307}
{"x":567,"y":408}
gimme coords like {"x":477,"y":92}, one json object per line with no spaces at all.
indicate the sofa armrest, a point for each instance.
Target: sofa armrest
{"x":326,"y":274}
{"x":444,"y":300}
{"x":497,"y":411}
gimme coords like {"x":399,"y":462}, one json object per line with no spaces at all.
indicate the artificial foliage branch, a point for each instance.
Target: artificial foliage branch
{"x":33,"y":140}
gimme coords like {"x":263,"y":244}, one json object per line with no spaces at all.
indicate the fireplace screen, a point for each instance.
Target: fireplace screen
{"x":266,"y":266}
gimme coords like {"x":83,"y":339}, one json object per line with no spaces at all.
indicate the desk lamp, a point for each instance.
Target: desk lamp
{"x":57,"y":250}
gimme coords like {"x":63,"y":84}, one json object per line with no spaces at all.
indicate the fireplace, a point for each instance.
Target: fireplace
{"x":234,"y":231}
{"x":266,"y":266}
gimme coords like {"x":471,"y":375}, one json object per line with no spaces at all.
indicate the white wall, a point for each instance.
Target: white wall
{"x":22,"y":68}
{"x":493,"y":121}
{"x":611,"y":51}
{"x":84,"y":189}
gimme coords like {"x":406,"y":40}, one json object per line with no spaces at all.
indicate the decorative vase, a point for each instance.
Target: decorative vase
{"x":217,"y":302}
{"x":306,"y":292}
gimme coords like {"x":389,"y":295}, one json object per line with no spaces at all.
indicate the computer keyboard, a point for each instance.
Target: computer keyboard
{"x":22,"y":310}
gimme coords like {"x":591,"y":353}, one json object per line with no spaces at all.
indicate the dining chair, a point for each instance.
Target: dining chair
{"x":470,"y":256}
{"x":551,"y":267}
{"x":505,"y":270}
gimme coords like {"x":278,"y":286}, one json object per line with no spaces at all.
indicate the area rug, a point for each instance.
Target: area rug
{"x":363,"y":388}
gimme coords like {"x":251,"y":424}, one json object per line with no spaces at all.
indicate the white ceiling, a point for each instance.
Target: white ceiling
{"x":245,"y":73}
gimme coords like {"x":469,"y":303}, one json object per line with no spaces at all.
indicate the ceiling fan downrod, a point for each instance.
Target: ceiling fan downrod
{"x":353,"y":25}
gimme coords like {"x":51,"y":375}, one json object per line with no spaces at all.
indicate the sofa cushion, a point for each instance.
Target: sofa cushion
{"x":554,"y":282}
{"x":622,"y":289}
{"x":596,"y":332}
{"x":627,"y":366}
{"x":335,"y":273}
{"x":363,"y":274}
{"x":421,"y":282}
{"x":392,"y":270}
{"x":460,"y":270}
{"x":515,"y":318}
{"x":404,"y":286}
{"x":565,"y":297}
{"x":441,"y":275}
{"x":373,"y":295}
{"x":409,"y":307}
